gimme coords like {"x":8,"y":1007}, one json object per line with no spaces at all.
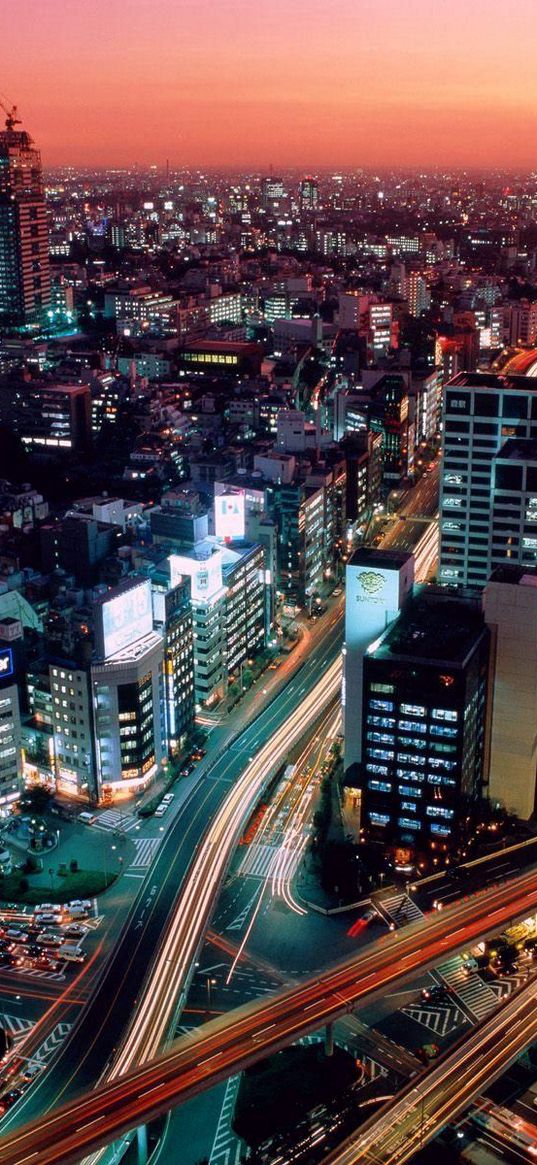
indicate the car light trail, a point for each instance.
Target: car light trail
{"x":263,"y":1027}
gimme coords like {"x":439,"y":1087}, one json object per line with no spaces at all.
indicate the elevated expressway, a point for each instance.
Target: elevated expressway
{"x":421,"y":1110}
{"x":232,"y":1042}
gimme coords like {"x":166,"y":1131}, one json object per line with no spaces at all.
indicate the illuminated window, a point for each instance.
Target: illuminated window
{"x":379,"y":786}
{"x":444,"y":714}
{"x":412,"y":709}
{"x":379,"y":818}
{"x":408,"y":823}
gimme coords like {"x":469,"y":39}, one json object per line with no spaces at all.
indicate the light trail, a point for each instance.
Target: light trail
{"x":230,"y":1043}
{"x":170,"y":973}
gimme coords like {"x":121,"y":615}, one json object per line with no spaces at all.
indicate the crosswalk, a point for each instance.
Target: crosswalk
{"x":15,"y":1025}
{"x":146,"y":848}
{"x":258,"y":861}
{"x":114,"y":821}
{"x":226,"y":1149}
{"x":440,"y":1020}
{"x":478,"y":998}
{"x":400,"y":908}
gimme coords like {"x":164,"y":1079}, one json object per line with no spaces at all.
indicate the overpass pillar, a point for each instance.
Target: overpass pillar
{"x":329,"y":1039}
{"x":141,"y":1140}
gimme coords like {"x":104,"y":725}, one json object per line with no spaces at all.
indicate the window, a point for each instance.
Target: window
{"x":381,"y":721}
{"x":409,"y":791}
{"x":381,"y":705}
{"x":381,"y":753}
{"x":439,"y":811}
{"x":440,"y":830}
{"x":379,"y":818}
{"x":444,"y":714}
{"x":412,"y":709}
{"x":409,"y":806}
{"x":442,"y":730}
{"x":379,"y":786}
{"x":382,"y":770}
{"x":411,"y":726}
{"x":383,"y":737}
{"x":408,"y":823}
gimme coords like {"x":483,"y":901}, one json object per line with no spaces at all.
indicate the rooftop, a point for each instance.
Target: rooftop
{"x":484,"y":380}
{"x":432,"y":628}
{"x":382,"y":559}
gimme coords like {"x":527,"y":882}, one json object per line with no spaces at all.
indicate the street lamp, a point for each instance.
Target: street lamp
{"x":210,"y":983}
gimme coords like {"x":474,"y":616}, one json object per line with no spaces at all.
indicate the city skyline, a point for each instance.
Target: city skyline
{"x":236,"y":85}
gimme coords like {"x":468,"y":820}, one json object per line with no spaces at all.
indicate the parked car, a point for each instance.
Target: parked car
{"x":48,"y":939}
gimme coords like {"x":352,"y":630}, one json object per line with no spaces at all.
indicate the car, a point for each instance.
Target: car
{"x":75,"y":930}
{"x":15,"y":934}
{"x":79,"y":904}
{"x":434,"y":994}
{"x":78,"y":912}
{"x":72,"y":953}
{"x":87,"y":818}
{"x":160,"y":809}
{"x":48,"y":939}
{"x":168,"y":798}
{"x":48,"y":908}
{"x":46,"y":919}
{"x":32,"y":1070}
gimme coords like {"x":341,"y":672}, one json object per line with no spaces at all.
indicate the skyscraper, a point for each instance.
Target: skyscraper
{"x":480,"y":526}
{"x":24,"y":242}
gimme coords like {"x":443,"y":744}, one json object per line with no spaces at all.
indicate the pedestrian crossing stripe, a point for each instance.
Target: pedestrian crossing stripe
{"x":440,"y":1020}
{"x":112,"y":820}
{"x":477,"y":996}
{"x":146,"y":848}
{"x":401,"y":908}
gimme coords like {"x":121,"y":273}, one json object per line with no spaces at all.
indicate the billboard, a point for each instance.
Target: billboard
{"x":229,"y":510}
{"x":123,"y":618}
{"x":6,"y":662}
{"x":205,"y":574}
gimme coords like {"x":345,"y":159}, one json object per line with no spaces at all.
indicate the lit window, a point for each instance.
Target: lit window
{"x":379,"y":818}
{"x":408,"y":823}
{"x":412,"y":709}
{"x":379,"y":786}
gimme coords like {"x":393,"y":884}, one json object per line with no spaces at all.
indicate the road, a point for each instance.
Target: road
{"x":200,"y":834}
{"x":230,"y":1043}
{"x":422,"y":1109}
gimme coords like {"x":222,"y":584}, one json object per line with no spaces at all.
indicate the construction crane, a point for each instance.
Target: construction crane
{"x":11,"y":115}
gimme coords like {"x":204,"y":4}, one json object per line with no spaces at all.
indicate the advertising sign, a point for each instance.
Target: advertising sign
{"x":229,"y":511}
{"x":124,"y":618}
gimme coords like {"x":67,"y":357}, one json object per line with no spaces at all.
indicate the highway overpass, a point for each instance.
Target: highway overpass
{"x":233,"y":1041}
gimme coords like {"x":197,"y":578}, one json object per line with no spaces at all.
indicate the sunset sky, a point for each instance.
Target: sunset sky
{"x":291,"y":82}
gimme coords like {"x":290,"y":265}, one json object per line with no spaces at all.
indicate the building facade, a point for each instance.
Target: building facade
{"x":25,"y":294}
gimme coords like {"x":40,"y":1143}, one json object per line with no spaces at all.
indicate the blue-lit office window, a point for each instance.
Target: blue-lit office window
{"x":408,"y":759}
{"x":381,"y":705}
{"x":379,"y":786}
{"x":380,"y":770}
{"x":444,"y":714}
{"x":409,"y":806}
{"x":381,"y":753}
{"x":382,"y":737}
{"x":440,"y":830}
{"x":440,"y":811}
{"x":412,"y":726}
{"x":412,"y":709}
{"x":408,"y":823}
{"x":379,"y":818}
{"x":381,"y":721}
{"x":409,"y":791}
{"x":442,"y":730}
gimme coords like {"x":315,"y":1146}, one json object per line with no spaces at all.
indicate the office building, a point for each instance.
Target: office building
{"x":510,"y":609}
{"x":423,"y":735}
{"x":203,"y":565}
{"x":172,"y":617}
{"x":309,"y":194}
{"x":480,"y":412}
{"x":10,"y":717}
{"x":377,"y":584}
{"x":50,"y":418}
{"x":25,"y":295}
{"x":126,"y":686}
{"x":243,"y":573}
{"x":73,"y":741}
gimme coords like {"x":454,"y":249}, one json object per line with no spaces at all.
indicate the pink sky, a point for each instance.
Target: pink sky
{"x":294,"y":82}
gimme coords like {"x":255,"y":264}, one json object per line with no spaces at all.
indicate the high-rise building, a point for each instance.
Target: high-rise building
{"x":480,"y":412}
{"x":25,"y":294}
{"x":377,"y":584}
{"x":423,"y":737}
{"x":309,"y":194}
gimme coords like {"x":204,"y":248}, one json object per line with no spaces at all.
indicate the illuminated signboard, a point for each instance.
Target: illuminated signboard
{"x":124,"y":618}
{"x":205,"y":574}
{"x":6,"y":662}
{"x":229,"y":515}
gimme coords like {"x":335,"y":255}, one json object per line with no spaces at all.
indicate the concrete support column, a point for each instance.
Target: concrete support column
{"x":141,"y":1140}
{"x":329,"y":1039}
